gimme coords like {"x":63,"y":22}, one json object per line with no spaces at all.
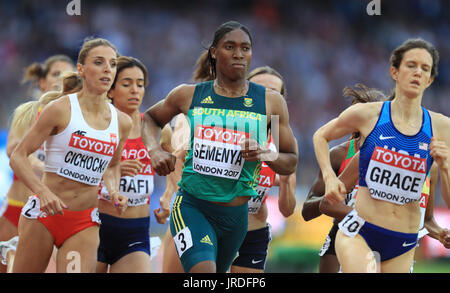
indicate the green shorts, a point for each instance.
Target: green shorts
{"x":205,"y":231}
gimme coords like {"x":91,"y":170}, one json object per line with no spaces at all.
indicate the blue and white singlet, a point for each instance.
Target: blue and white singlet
{"x":393,"y":166}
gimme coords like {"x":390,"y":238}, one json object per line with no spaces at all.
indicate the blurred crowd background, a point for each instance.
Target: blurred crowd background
{"x":318,"y":46}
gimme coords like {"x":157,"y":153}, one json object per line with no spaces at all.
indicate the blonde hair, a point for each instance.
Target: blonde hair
{"x":26,"y":114}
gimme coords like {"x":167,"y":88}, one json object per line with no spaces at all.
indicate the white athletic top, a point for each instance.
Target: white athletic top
{"x":80,"y":152}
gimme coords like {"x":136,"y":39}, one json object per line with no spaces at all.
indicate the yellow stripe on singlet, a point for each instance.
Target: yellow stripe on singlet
{"x":179,"y":213}
{"x":15,"y":203}
{"x":255,"y":176}
{"x":176,"y":214}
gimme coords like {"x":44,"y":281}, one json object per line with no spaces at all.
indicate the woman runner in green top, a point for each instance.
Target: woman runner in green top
{"x":229,"y":119}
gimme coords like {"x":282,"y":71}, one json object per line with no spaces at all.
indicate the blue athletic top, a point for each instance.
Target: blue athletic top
{"x":394,"y":165}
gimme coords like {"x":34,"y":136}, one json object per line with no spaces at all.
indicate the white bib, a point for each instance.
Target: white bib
{"x":395,"y":176}
{"x":137,"y":188}
{"x":217,"y":151}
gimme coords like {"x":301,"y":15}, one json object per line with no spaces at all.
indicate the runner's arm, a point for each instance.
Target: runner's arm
{"x":349,"y":177}
{"x":349,"y":121}
{"x":311,"y":205}
{"x":112,"y":175}
{"x":439,"y":150}
{"x":52,"y":118}
{"x":286,"y":195}
{"x":285,"y":161}
{"x":177,"y":101}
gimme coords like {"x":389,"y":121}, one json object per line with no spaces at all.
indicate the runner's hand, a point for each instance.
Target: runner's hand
{"x":439,"y":152}
{"x":51,"y":204}
{"x":119,"y":201}
{"x":335,"y":190}
{"x":251,"y":150}
{"x":130,"y":167}
{"x":161,"y":214}
{"x":444,"y":237}
{"x":163,"y":162}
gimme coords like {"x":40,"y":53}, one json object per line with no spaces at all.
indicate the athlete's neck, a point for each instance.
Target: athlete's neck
{"x":407,"y":110}
{"x":407,"y":107}
{"x":92,"y":102}
{"x":232,"y":88}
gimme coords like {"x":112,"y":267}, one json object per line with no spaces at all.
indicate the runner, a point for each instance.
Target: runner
{"x":385,"y":222}
{"x":84,"y":138}
{"x":340,"y":157}
{"x":47,"y":77}
{"x":209,"y":219}
{"x":125,"y":237}
{"x":253,"y":251}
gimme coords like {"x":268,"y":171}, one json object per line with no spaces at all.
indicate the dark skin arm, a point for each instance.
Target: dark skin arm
{"x":310,"y":208}
{"x":177,"y":101}
{"x":283,"y":162}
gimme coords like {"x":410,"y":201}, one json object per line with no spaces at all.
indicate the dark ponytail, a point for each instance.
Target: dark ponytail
{"x":203,"y":68}
{"x":362,"y":94}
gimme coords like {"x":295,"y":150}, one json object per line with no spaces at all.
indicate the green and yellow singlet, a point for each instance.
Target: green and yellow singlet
{"x":214,"y":169}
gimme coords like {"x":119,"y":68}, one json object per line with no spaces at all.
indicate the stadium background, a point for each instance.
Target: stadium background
{"x":318,"y":46}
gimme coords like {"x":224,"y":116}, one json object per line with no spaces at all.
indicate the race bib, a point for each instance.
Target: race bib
{"x":216,"y":151}
{"x":265,"y":183}
{"x":350,"y":198}
{"x":183,"y":240}
{"x":395,"y":177}
{"x":87,"y":159}
{"x":95,"y":218}
{"x":351,"y":224}
{"x":254,"y":204}
{"x":32,"y":209}
{"x":137,"y":188}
